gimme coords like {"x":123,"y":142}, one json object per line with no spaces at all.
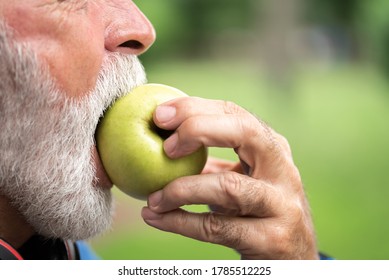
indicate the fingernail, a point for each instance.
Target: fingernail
{"x":149,"y":215}
{"x":170,"y":144}
{"x":155,"y":199}
{"x":165,"y":113}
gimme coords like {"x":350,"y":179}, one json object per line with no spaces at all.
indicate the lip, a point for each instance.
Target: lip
{"x":102,"y":178}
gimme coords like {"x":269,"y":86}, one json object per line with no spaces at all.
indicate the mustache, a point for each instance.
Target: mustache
{"x":120,"y":74}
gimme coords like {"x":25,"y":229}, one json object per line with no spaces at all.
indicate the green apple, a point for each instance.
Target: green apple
{"x":130,"y":145}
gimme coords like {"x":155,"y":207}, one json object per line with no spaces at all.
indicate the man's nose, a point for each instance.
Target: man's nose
{"x":128,"y":30}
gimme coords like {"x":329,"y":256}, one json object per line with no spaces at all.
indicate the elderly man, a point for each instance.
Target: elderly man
{"x":62,"y":63}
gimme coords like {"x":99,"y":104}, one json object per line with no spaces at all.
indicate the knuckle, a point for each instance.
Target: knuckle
{"x":243,"y":194}
{"x":230,"y":182}
{"x":232,"y":187}
{"x":296,"y":211}
{"x":180,"y":219}
{"x":245,"y":122}
{"x":284,"y":143}
{"x":267,"y":135}
{"x":222,"y":231}
{"x":248,"y":126}
{"x":231,"y":108}
{"x":212,"y":227}
{"x":275,"y":142}
{"x":292,"y":178}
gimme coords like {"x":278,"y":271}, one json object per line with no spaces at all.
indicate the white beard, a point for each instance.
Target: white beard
{"x":46,"y":164}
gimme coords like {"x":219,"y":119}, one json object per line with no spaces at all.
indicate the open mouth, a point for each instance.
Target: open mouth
{"x":102,"y":176}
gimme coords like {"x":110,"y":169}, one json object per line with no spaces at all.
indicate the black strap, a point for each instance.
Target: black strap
{"x":40,"y":248}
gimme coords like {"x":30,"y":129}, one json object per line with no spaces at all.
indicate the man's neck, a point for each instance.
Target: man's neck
{"x":13,"y":227}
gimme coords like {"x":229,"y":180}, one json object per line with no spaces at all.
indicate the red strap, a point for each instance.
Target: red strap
{"x":10,"y":249}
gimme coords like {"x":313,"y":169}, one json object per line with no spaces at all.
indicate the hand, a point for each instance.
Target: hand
{"x":258,"y":205}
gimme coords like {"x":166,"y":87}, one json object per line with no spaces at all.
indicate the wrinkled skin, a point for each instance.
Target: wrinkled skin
{"x":262,"y":212}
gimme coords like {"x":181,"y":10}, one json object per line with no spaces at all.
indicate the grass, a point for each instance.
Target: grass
{"x":336,"y":123}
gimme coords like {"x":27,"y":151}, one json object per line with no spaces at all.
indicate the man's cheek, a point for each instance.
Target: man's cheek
{"x":74,"y":70}
{"x":72,"y":48}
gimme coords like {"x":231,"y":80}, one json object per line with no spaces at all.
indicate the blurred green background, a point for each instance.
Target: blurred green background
{"x":317,"y":71}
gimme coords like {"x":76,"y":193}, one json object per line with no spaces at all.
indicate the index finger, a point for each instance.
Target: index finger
{"x":214,"y":123}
